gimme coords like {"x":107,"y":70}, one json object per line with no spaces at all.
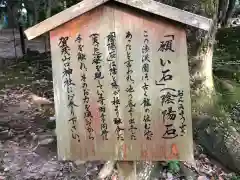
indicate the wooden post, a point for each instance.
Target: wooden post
{"x":22,"y":39}
{"x":127,"y":170}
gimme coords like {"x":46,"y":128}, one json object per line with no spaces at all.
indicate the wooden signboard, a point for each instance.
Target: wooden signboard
{"x":121,"y":86}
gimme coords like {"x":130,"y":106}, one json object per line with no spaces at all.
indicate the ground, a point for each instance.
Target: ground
{"x":28,"y":143}
{"x":28,"y":149}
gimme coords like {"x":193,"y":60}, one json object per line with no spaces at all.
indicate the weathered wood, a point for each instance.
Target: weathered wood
{"x":171,"y":13}
{"x":146,"y":5}
{"x":104,"y":20}
{"x":62,"y":17}
{"x":127,"y":170}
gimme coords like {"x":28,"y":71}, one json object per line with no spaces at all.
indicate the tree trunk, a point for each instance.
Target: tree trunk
{"x":36,"y":5}
{"x":65,"y":4}
{"x":48,"y":8}
{"x":11,"y":12}
{"x":229,"y":13}
{"x":35,"y":14}
{"x":200,"y":52}
{"x":29,"y":12}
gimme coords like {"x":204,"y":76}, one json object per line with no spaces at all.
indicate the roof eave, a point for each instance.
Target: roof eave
{"x":62,"y":17}
{"x":170,"y":12}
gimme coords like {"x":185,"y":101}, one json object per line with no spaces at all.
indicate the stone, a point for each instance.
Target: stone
{"x":6,"y":169}
{"x":3,"y":177}
{"x":40,"y":130}
{"x":188,"y":173}
{"x":1,"y":168}
{"x":51,"y":124}
{"x":224,"y":148}
{"x":34,"y":136}
{"x":79,"y":162}
{"x":4,"y":135}
{"x":202,"y":178}
{"x":169,"y":175}
{"x":147,"y":170}
{"x":52,"y":118}
{"x":46,"y":141}
{"x":226,"y":85}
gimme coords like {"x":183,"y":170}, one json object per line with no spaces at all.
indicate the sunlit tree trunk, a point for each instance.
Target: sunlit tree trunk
{"x":49,"y":8}
{"x":200,"y":52}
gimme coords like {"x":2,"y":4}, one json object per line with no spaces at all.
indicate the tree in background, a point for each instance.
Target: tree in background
{"x":36,"y":10}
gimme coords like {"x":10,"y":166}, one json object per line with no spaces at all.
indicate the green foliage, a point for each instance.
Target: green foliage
{"x":173,"y":167}
{"x":227,"y":48}
{"x":235,"y":178}
{"x":210,"y":7}
{"x":226,"y":68}
{"x":228,"y":91}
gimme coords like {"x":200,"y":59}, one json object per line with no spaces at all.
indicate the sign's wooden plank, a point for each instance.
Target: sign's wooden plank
{"x":171,"y":13}
{"x":127,"y":68}
{"x":64,"y":137}
{"x":128,"y":43}
{"x":81,"y":37}
{"x":62,"y":17}
{"x":148,"y":33}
